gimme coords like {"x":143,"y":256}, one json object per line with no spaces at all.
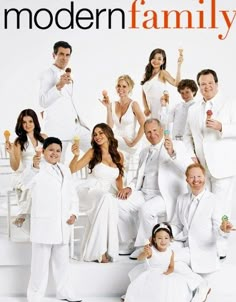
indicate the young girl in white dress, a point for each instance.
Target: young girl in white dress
{"x":160,"y":278}
{"x":154,"y":83}
{"x":100,"y":241}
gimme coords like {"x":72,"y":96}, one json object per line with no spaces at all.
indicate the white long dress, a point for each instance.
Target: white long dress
{"x":148,"y":283}
{"x":153,"y":90}
{"x":101,"y":235}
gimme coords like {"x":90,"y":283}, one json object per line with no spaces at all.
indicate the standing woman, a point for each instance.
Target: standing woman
{"x":124,"y":115}
{"x":100,"y":241}
{"x":21,"y":154}
{"x":154,"y":82}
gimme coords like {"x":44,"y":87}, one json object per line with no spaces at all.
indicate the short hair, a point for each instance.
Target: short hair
{"x":51,"y":140}
{"x":61,"y":44}
{"x":195,"y":165}
{"x":150,"y":120}
{"x":127,"y":79}
{"x":205,"y":72}
{"x":187,"y":83}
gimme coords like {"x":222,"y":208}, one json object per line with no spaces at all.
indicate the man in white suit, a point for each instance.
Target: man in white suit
{"x":197,"y":223}
{"x":154,"y":190}
{"x":57,"y":98}
{"x":211,"y":140}
{"x":55,"y":207}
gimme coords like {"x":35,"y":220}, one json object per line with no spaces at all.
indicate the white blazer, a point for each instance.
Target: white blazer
{"x":202,"y":232}
{"x":171,"y":174}
{"x":54,"y":200}
{"x":215,"y":149}
{"x":60,"y":110}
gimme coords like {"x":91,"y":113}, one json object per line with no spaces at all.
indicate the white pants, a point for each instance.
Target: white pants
{"x":150,"y":213}
{"x":137,"y":217}
{"x":42,"y":255}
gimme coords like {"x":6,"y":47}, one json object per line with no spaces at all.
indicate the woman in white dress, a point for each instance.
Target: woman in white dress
{"x":160,"y":278}
{"x":154,"y":82}
{"x":124,"y":115}
{"x":21,"y":154}
{"x":100,"y":241}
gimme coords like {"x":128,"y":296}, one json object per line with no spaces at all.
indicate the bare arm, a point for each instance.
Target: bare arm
{"x":141,"y":119}
{"x":177,"y":79}
{"x":146,"y":253}
{"x":147,"y":111}
{"x":171,"y":265}
{"x":14,"y":152}
{"x":77,"y":164}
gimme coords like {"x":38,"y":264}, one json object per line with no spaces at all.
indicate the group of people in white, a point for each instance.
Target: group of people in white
{"x":174,"y":214}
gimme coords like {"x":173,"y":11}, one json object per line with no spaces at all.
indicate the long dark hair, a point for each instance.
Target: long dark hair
{"x":149,"y":68}
{"x":22,"y":134}
{"x":113,"y":145}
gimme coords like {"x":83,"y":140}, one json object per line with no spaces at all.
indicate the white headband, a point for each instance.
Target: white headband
{"x":161,"y":226}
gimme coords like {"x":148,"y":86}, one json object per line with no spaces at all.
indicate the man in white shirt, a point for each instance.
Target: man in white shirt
{"x":56,"y":97}
{"x":153,"y":192}
{"x":211,"y":139}
{"x":197,"y":223}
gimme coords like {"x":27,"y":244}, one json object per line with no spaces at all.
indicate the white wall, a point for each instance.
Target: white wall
{"x":101,"y":55}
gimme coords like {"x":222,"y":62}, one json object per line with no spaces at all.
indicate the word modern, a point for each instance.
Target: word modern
{"x":139,"y":15}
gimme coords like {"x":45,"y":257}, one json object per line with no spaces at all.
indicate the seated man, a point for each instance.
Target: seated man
{"x":154,"y":190}
{"x":197,"y":223}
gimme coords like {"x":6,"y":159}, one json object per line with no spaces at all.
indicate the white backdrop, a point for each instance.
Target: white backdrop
{"x":101,"y":55}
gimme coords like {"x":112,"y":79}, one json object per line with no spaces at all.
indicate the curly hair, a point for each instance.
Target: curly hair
{"x":149,"y":67}
{"x":113,"y":146}
{"x":22,"y":134}
{"x":188,"y":83}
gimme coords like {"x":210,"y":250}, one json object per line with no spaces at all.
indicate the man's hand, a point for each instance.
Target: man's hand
{"x":124,"y":193}
{"x":214,"y":124}
{"x":64,"y":79}
{"x":71,"y":220}
{"x":169,"y":146}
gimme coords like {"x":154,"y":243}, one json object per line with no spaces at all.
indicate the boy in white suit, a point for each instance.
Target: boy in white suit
{"x":197,"y":223}
{"x":54,"y":208}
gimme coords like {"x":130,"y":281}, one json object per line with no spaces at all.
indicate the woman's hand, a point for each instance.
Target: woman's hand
{"x":71,"y":220}
{"x":36,"y":161}
{"x":75,"y":149}
{"x":106,"y":101}
{"x":9,"y":147}
{"x":147,"y":112}
{"x":128,"y":142}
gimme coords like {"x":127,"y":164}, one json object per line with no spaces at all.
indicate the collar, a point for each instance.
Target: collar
{"x":199,"y":196}
{"x":157,"y":146}
{"x":56,"y":69}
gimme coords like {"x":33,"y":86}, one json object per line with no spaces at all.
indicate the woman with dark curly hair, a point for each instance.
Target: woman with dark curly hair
{"x":105,"y":165}
{"x":21,"y":153}
{"x":154,"y":82}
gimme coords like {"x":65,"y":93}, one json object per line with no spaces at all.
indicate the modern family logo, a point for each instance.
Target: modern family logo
{"x":141,"y":14}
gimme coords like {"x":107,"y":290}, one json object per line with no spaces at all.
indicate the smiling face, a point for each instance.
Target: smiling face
{"x":208,"y":86}
{"x":28,"y":124}
{"x":153,"y":132}
{"x":186,"y":94}
{"x":99,"y":137}
{"x":52,"y":154}
{"x":62,"y":57}
{"x":162,"y":240}
{"x":157,"y":61}
{"x":122,"y":88}
{"x":196,"y":180}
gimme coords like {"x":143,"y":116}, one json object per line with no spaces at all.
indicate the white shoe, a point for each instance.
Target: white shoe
{"x":202,"y":292}
{"x":136,"y":253}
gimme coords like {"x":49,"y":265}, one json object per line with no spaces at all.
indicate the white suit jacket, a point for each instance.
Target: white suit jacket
{"x":215,"y":149}
{"x":54,"y":200}
{"x":60,"y":109}
{"x":202,"y":232}
{"x":171,"y":174}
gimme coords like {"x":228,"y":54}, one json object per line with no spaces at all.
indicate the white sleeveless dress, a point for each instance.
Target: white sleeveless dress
{"x":153,"y":90}
{"x":148,"y":283}
{"x":126,"y":127}
{"x":101,"y":234}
